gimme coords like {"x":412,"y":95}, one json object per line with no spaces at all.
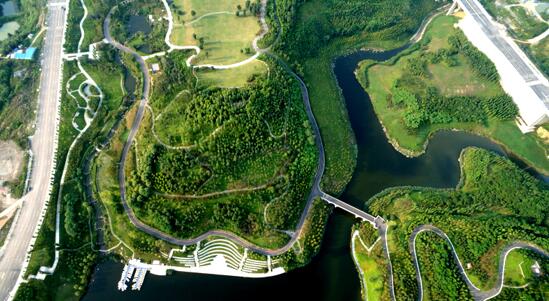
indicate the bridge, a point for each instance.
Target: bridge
{"x":376,"y":221}
{"x":520,"y":78}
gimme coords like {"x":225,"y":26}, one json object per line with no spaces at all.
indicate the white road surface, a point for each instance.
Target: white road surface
{"x":44,"y":144}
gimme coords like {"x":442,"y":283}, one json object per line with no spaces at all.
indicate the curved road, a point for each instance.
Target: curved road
{"x":315,"y":191}
{"x":477,"y":293}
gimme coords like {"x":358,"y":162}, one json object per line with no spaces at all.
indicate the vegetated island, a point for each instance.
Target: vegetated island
{"x":495,"y":204}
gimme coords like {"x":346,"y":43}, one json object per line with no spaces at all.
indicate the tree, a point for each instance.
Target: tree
{"x":193,"y":13}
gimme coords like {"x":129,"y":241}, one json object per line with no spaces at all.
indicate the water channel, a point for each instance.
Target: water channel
{"x":331,"y":275}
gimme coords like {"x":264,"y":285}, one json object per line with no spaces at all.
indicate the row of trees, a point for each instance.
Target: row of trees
{"x":430,"y":107}
{"x":252,"y":7}
{"x":478,"y":60}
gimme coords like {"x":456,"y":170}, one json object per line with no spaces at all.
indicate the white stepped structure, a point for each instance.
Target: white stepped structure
{"x":222,"y":257}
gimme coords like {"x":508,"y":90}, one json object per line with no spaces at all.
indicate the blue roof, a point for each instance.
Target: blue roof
{"x":27,"y":54}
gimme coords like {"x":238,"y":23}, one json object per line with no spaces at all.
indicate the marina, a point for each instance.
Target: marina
{"x":128,"y":273}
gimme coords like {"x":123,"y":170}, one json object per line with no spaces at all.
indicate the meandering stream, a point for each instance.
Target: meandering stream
{"x":331,"y":275}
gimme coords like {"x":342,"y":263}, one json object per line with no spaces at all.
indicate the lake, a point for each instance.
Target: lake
{"x":9,"y":8}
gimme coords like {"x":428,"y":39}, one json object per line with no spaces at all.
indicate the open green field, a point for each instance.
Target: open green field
{"x":457,"y":80}
{"x":372,"y":264}
{"x":518,"y":269}
{"x":232,"y":78}
{"x":485,"y":213}
{"x":227,"y":38}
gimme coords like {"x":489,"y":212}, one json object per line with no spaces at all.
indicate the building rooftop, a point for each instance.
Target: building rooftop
{"x":24,"y":54}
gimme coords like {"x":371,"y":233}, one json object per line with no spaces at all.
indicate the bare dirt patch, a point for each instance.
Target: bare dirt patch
{"x":11,"y":160}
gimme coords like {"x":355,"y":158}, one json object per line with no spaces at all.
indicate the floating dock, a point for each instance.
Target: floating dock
{"x":128,"y":273}
{"x":139,"y":278}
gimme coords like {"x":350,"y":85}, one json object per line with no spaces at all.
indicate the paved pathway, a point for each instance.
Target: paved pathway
{"x":476,"y":292}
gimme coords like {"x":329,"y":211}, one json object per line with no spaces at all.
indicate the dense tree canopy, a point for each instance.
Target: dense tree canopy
{"x":497,"y":203}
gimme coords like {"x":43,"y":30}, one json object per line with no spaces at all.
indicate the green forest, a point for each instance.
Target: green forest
{"x":233,"y":153}
{"x":311,"y":34}
{"x":496,"y":203}
{"x":368,"y":20}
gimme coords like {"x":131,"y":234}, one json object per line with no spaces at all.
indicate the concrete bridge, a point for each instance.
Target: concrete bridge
{"x":376,"y":221}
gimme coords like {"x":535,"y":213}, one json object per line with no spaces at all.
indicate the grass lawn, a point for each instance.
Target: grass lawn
{"x":517,"y":268}
{"x":225,"y":35}
{"x":231,"y":78}
{"x":170,"y":126}
{"x":373,"y":270}
{"x":451,"y":81}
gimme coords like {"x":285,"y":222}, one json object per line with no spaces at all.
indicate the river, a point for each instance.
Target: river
{"x":331,"y":275}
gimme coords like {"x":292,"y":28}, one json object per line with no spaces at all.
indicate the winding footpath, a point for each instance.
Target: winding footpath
{"x":315,"y":191}
{"x":476,"y":292}
{"x":197,"y":50}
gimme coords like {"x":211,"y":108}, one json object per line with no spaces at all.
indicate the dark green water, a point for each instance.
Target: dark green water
{"x":331,"y":275}
{"x":138,"y":24}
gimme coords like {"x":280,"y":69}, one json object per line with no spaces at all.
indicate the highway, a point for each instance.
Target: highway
{"x":44,"y":145}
